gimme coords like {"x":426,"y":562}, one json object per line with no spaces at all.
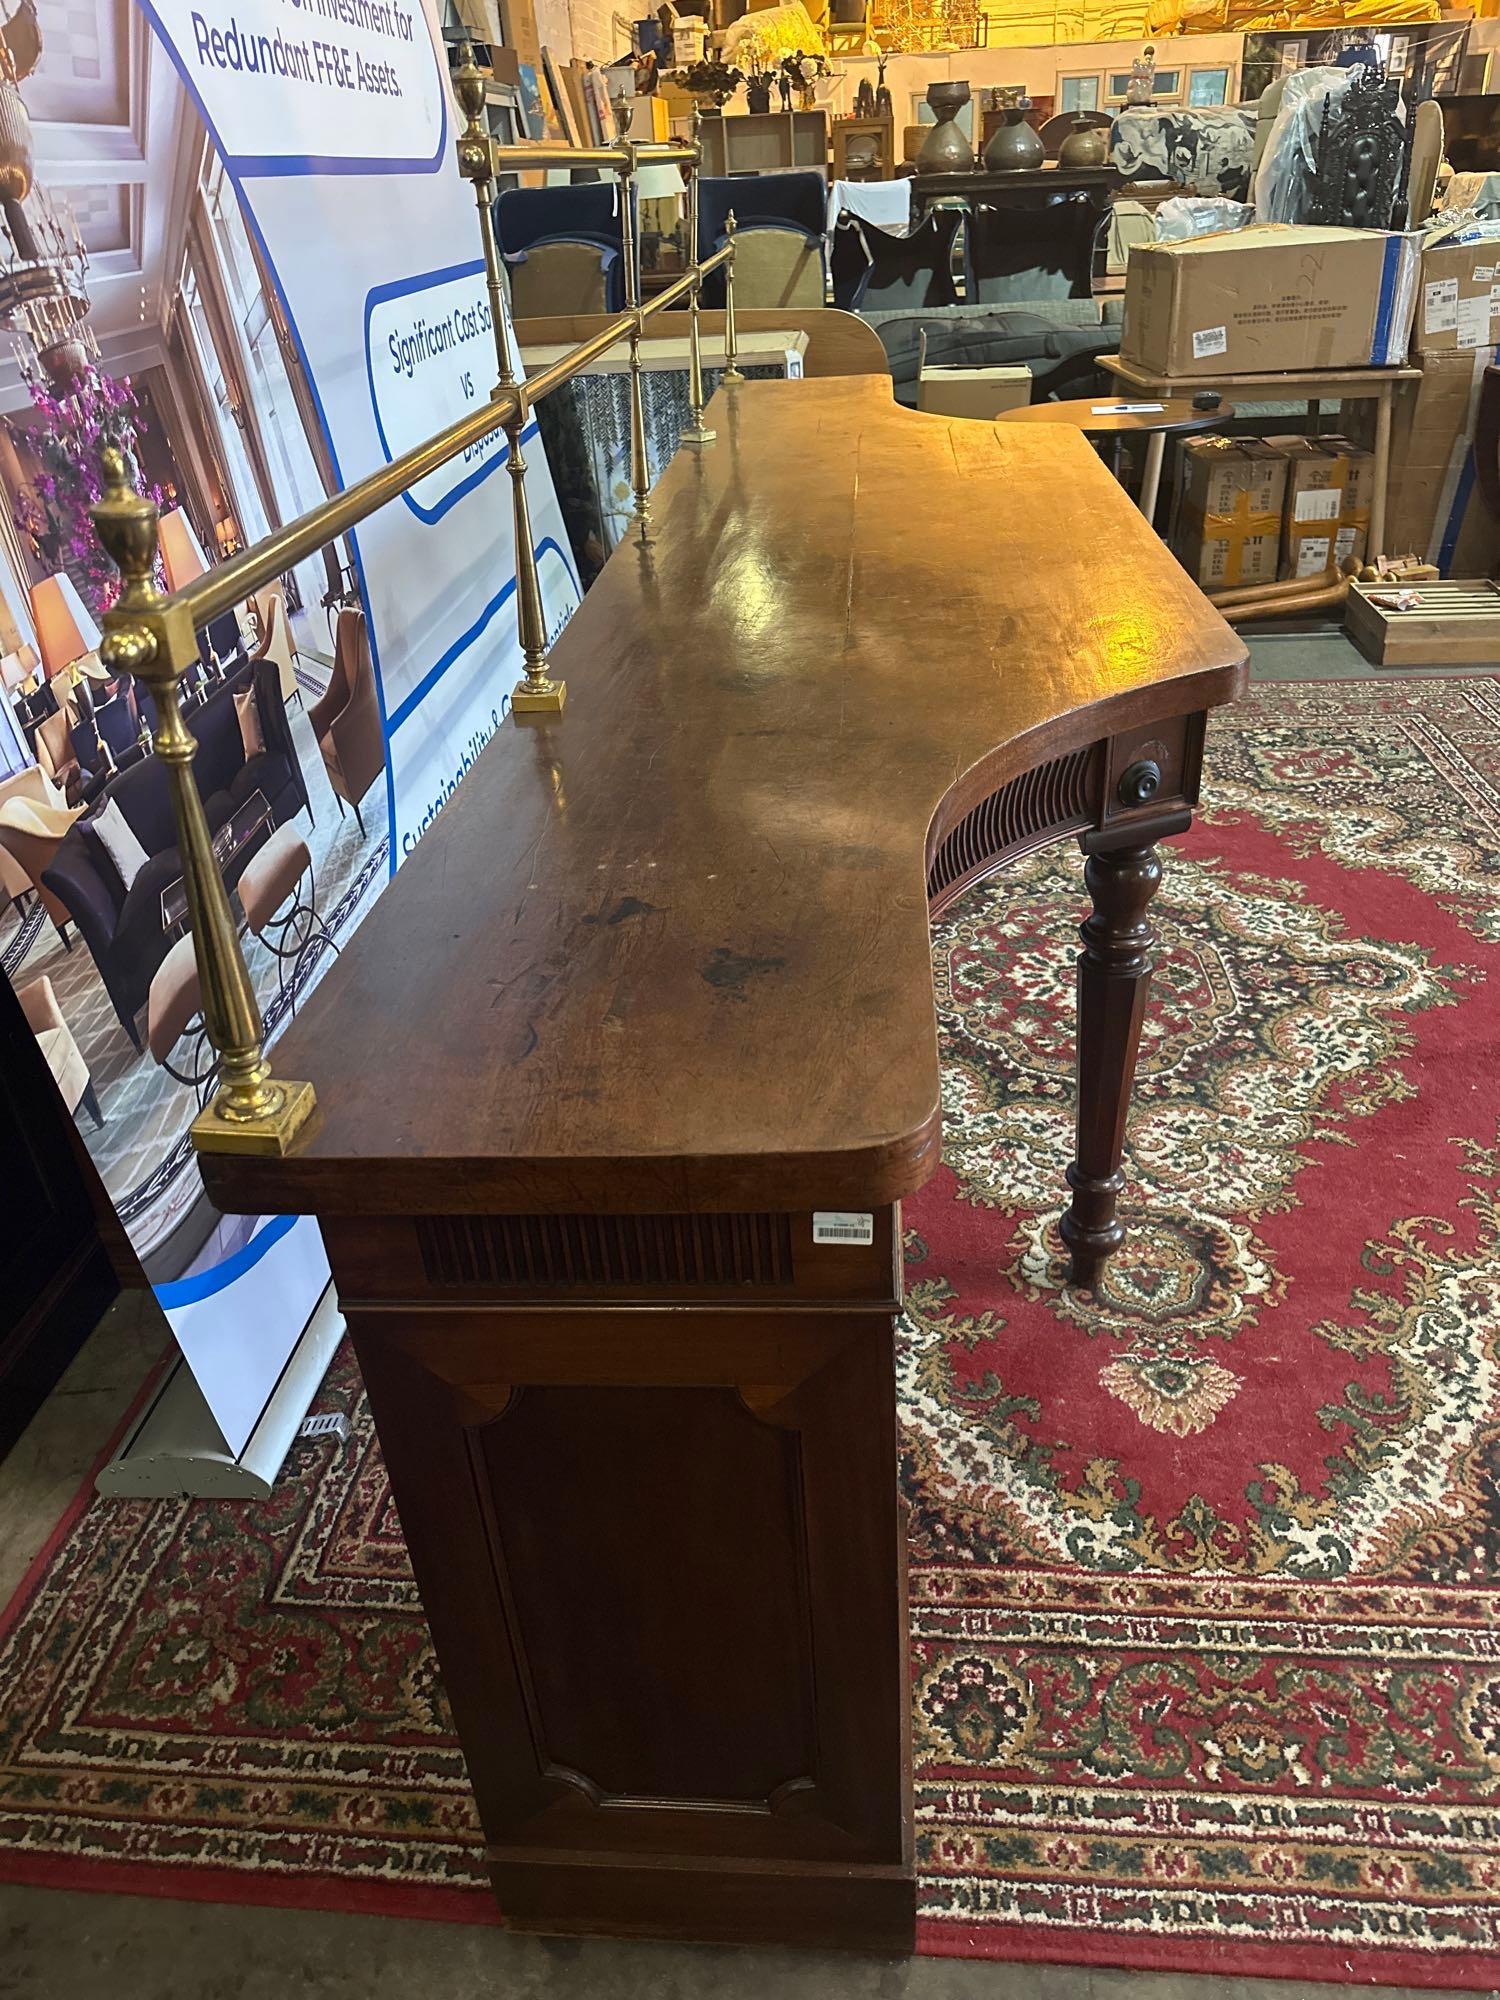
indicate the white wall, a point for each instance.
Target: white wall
{"x":1034,"y":68}
{"x":584,"y":29}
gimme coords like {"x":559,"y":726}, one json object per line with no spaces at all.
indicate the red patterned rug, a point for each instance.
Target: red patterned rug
{"x":1205,"y":1627}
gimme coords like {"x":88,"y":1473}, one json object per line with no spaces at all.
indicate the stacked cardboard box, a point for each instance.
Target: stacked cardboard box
{"x":1326,"y":518}
{"x":1458,"y":298}
{"x":1227,"y":529}
{"x":972,"y":392}
{"x":1272,"y":297}
{"x":1433,"y":507}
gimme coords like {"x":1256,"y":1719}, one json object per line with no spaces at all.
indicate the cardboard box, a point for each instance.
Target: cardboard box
{"x":1458,"y":298}
{"x":1433,"y":505}
{"x":1227,"y":526}
{"x":972,"y":392}
{"x":1326,"y":517}
{"x":1272,"y":297}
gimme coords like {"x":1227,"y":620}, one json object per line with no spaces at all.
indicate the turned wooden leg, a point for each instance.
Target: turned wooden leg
{"x":1114,"y":973}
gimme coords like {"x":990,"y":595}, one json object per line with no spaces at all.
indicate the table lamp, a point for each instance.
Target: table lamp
{"x":64,"y":629}
{"x":182,"y":559}
{"x":66,"y":634}
{"x":658,"y":182}
{"x":182,"y":556}
{"x":17,"y":668}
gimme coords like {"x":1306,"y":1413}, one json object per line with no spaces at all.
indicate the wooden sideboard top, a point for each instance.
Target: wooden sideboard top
{"x":670,"y":950}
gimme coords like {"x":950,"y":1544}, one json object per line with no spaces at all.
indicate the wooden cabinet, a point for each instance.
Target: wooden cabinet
{"x":646,"y":1467}
{"x":765,"y":142}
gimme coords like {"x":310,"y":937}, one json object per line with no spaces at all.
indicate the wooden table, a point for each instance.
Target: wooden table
{"x":1313,"y":385}
{"x":622,"y":1082}
{"x":1125,"y":418}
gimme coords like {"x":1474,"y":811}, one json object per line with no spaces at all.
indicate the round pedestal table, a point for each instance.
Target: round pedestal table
{"x":1122,"y":416}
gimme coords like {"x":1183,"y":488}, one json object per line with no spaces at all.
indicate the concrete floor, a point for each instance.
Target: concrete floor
{"x":131,"y":1948}
{"x":56,"y":1945}
{"x":1320,"y":652}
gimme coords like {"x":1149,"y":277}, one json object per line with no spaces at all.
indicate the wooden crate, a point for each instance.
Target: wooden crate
{"x":1453,"y":624}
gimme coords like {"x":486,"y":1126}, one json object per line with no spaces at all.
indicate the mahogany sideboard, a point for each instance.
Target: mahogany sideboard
{"x":621,"y":1085}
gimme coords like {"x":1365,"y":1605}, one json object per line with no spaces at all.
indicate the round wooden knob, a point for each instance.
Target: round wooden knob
{"x":1140,"y":783}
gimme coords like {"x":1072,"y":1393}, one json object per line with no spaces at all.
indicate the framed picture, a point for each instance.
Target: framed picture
{"x":560,"y":110}
{"x":506,"y":113}
{"x":1208,"y":86}
{"x":1079,"y":93}
{"x":532,"y":115}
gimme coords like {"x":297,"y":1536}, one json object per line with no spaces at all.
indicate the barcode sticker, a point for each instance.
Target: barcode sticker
{"x":1314,"y":555}
{"x":1318,"y":503}
{"x":1484,"y":274}
{"x":836,"y":1225}
{"x":1210,"y":340}
{"x":1440,"y":305}
{"x":1474,"y":321}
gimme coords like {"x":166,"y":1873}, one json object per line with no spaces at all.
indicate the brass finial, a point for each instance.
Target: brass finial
{"x":476,"y":164}
{"x":474,"y":140}
{"x":127,"y":521}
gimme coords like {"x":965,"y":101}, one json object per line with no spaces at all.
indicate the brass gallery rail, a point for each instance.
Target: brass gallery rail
{"x":154,"y":636}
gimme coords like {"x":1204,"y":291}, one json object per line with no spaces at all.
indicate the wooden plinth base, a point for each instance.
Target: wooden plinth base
{"x":828,"y":1907}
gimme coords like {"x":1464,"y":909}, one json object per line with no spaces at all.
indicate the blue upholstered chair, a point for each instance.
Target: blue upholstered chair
{"x":116,"y":724}
{"x":530,"y":222}
{"x":794,"y":204}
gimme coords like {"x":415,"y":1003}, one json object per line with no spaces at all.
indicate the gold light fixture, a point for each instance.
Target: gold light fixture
{"x":43,"y":262}
{"x":43,"y":267}
{"x":907,"y":27}
{"x":20,"y":51}
{"x":15,"y":135}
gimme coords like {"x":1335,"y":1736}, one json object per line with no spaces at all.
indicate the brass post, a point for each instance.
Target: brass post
{"x":640,"y":473}
{"x":474,"y":165}
{"x":731,"y":371}
{"x":537,"y":693}
{"x":697,"y":431}
{"x":143,"y":635}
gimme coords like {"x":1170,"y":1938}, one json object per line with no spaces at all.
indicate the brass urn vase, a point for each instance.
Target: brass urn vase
{"x":1087,"y":145}
{"x":1015,"y":146}
{"x":945,"y":150}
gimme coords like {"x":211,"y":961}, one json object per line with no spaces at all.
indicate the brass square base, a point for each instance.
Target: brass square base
{"x":697,"y":434}
{"x":268,"y":1137}
{"x":545,"y":700}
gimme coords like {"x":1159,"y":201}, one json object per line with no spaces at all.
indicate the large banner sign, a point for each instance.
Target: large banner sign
{"x":334,"y":121}
{"x":333,"y":118}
